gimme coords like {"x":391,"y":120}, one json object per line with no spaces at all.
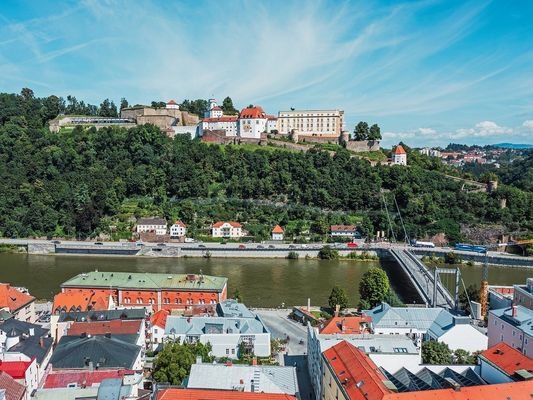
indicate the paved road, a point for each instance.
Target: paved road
{"x":280,"y":326}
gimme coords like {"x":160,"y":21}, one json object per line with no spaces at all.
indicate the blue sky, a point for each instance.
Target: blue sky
{"x":428,"y":72}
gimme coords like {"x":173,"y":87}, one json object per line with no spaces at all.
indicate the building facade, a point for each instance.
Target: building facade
{"x":512,"y":326}
{"x":150,"y":290}
{"x":278,"y":233}
{"x":523,"y":294}
{"x":344,"y":231}
{"x":311,"y":122}
{"x":399,"y":156}
{"x":229,"y":229}
{"x":178,"y":229}
{"x":153,"y":225}
{"x":18,"y":302}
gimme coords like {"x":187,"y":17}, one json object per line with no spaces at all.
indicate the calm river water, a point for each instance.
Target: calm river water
{"x":261,"y":282}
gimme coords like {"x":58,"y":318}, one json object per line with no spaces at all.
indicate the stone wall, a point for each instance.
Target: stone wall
{"x":363,"y":145}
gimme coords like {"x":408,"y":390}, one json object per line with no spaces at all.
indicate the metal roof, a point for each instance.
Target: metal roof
{"x":232,"y":308}
{"x":523,"y":319}
{"x":177,"y":325}
{"x":393,"y":344}
{"x":145,"y":280}
{"x":259,"y":379}
{"x":106,"y":315}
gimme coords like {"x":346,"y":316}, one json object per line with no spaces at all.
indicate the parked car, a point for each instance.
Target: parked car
{"x":351,"y":244}
{"x":304,"y":246}
{"x":99,"y":243}
{"x":161,"y":244}
{"x":292,"y":246}
{"x":271,"y":246}
{"x":56,"y":241}
{"x":260,"y":246}
{"x":201,"y":246}
{"x":242,"y":246}
{"x":139,"y":244}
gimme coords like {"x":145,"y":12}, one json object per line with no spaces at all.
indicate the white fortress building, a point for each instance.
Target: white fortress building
{"x":311,"y":122}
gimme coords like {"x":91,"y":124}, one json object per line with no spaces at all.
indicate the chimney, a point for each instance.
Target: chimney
{"x":91,"y":367}
{"x":32,"y":331}
{"x":515,"y":311}
{"x":254,"y":361}
{"x":41,"y":342}
{"x":337,"y":309}
{"x":198,"y":359}
{"x":308,"y":304}
{"x":343,"y":326}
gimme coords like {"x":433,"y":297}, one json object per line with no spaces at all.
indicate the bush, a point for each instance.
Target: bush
{"x":293,"y":255}
{"x":328,"y":253}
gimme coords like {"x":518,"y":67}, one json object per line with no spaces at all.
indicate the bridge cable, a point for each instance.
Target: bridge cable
{"x":401,"y":219}
{"x":388,"y":217}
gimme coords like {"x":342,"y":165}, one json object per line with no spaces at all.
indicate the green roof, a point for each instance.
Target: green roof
{"x":146,"y":280}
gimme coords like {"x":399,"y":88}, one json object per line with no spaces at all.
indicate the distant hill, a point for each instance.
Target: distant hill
{"x":513,"y":146}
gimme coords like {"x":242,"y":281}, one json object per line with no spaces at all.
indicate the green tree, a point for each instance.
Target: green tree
{"x":361,"y":131}
{"x":328,"y":253}
{"x":438,"y":353}
{"x":374,"y":286}
{"x":123,"y":103}
{"x":338,"y":297}
{"x":158,"y":104}
{"x":473,"y":294}
{"x":374,"y":132}
{"x":174,"y":362}
{"x":228,"y":108}
{"x":238,"y":296}
{"x":463,"y":357}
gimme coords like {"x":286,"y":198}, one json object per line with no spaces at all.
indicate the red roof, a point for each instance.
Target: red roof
{"x":12,"y":298}
{"x":343,"y":228}
{"x":232,"y":223}
{"x":201,"y":394}
{"x":350,"y":365}
{"x":226,"y":118}
{"x":84,"y":377}
{"x":217,"y":108}
{"x":502,"y":391}
{"x":15,"y":369}
{"x":399,"y":150}
{"x":80,"y":302}
{"x":115,"y":327}
{"x":271,"y":117}
{"x":507,"y":358}
{"x":179,"y":223}
{"x":347,"y":325}
{"x":171,"y":102}
{"x":14,"y":390}
{"x":252,"y":112}
{"x":277,"y":229}
{"x":160,"y":318}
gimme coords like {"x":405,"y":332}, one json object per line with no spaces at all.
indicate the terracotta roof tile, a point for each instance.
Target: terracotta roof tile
{"x":62,"y":379}
{"x":171,"y":102}
{"x":399,"y":150}
{"x":14,"y":390}
{"x":199,"y":394}
{"x":227,"y":118}
{"x":12,"y":298}
{"x":232,"y":223}
{"x":160,"y":318}
{"x":115,"y":327}
{"x":179,"y":223}
{"x":278,"y":229}
{"x":80,"y":302}
{"x":252,"y":113}
{"x":507,"y":359}
{"x":343,"y":228}
{"x":346,"y":325}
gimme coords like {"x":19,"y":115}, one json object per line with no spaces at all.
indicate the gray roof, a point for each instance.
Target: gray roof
{"x":66,"y":394}
{"x":434,"y":320}
{"x":152,"y":221}
{"x":177,"y":325}
{"x":523,"y":319}
{"x":232,"y":308}
{"x":112,"y":389}
{"x":260,"y":378}
{"x":392,"y":344}
{"x":116,"y":351}
{"x":108,"y":315}
{"x":30,"y":345}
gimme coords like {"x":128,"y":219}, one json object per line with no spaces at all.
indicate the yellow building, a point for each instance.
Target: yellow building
{"x":311,"y":122}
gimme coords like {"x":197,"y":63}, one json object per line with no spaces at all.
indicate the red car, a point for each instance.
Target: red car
{"x":351,"y":244}
{"x":242,"y":246}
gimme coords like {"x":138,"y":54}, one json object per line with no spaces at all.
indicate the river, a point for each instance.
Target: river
{"x":261,"y":282}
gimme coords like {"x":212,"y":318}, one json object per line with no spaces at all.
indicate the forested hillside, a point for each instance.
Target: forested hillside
{"x":86,"y":182}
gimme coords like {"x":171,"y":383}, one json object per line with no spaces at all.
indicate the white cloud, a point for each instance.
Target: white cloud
{"x":482,"y":129}
{"x":528,"y":124}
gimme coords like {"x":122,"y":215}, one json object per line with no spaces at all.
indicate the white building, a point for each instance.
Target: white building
{"x":399,"y":156}
{"x":252,"y":122}
{"x":420,"y":324}
{"x":512,"y":326}
{"x":278,"y":233}
{"x":172,"y":105}
{"x":311,"y":122}
{"x":390,"y":352}
{"x":154,"y":225}
{"x":178,"y":229}
{"x":226,"y":335}
{"x":523,"y":294}
{"x":214,"y":110}
{"x":229,"y":229}
{"x":272,"y":124}
{"x":344,"y":231}
{"x":18,"y":302}
{"x":215,"y":120}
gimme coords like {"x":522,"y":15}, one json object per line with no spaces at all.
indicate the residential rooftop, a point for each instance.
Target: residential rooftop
{"x":391,"y":344}
{"x":509,"y":360}
{"x":115,"y":327}
{"x":247,"y":378}
{"x":34,"y":341}
{"x":198,"y":394}
{"x":177,"y":325}
{"x":232,"y":308}
{"x":523,"y":319}
{"x":62,"y":379}
{"x":346,"y":325}
{"x":146,"y":280}
{"x":12,"y":298}
{"x":13,"y":389}
{"x":105,"y":315}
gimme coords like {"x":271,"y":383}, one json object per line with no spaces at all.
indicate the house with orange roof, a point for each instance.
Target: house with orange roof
{"x":158,"y":322}
{"x":12,"y":390}
{"x":114,"y":327}
{"x":278,"y":233}
{"x":18,"y":302}
{"x":172,"y":105}
{"x":357,"y":325}
{"x":349,"y":374}
{"x":229,"y":230}
{"x":501,"y":363}
{"x":178,"y":229}
{"x":399,"y":156}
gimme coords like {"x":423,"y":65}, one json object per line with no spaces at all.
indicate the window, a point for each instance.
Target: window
{"x":502,"y":327}
{"x":233,"y":351}
{"x":155,"y":331}
{"x":514,"y":333}
{"x":227,"y":351}
{"x":501,"y":338}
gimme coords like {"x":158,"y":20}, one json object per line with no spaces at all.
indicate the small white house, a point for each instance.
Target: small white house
{"x":399,"y":156}
{"x":154,"y":225}
{"x":278,"y":233}
{"x":178,"y":229}
{"x":226,"y":229}
{"x":172,"y":105}
{"x":344,"y":230}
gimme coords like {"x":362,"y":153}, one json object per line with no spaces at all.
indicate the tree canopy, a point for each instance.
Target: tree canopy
{"x":228,"y":108}
{"x":338,"y":297}
{"x":374,"y":287}
{"x":363,"y":132}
